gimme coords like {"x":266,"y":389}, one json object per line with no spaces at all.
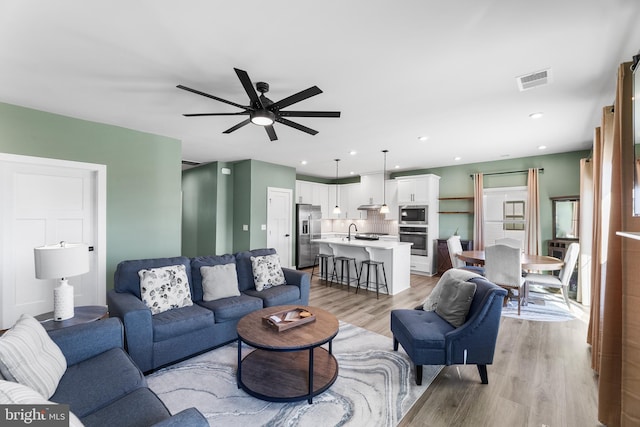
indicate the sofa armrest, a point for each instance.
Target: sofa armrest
{"x":138,"y":328}
{"x":301,"y":279}
{"x":82,"y":342}
{"x":189,"y":417}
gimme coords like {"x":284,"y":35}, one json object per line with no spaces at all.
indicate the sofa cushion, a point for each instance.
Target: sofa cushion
{"x":17,"y":394}
{"x":219,"y":281}
{"x":455,"y":300}
{"x":232,"y":308}
{"x":267,"y":271}
{"x":96,"y":382}
{"x":165,"y":288}
{"x":277,"y":295}
{"x":28,"y":356}
{"x":140,"y":407}
{"x":173,"y":323}
{"x":126,"y":277}
{"x":244,"y":268}
{"x":197,"y":263}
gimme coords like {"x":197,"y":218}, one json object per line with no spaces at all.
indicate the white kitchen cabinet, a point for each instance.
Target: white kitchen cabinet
{"x":350,"y":199}
{"x":371,"y":189}
{"x":417,"y":189}
{"x":314,"y":193}
{"x":391,"y":188}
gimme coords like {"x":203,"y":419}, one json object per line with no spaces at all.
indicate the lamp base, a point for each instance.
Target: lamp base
{"x":63,"y":301}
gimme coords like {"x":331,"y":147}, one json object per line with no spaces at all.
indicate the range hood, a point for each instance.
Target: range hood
{"x":373,"y":207}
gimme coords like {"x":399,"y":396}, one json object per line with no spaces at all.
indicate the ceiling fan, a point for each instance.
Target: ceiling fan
{"x":264,"y":112}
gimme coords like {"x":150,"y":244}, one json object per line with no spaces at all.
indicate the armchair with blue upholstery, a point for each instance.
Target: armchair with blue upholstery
{"x":428,"y":339}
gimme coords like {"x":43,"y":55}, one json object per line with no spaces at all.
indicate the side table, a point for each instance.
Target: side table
{"x":82,"y":314}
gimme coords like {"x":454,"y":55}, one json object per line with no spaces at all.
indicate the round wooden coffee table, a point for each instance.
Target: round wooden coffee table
{"x":289,"y":365}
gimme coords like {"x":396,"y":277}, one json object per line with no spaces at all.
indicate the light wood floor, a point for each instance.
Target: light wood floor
{"x":541,"y":373}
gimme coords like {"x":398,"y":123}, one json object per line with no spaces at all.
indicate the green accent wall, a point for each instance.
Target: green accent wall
{"x":207,"y":210}
{"x":250,"y":183}
{"x":143,"y":176}
{"x":561,"y":177}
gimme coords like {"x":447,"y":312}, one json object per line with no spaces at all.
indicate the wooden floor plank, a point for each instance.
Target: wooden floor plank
{"x":541,"y":375}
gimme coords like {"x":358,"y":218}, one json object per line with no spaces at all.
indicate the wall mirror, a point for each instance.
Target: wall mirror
{"x":636,"y":136}
{"x":566,"y":215}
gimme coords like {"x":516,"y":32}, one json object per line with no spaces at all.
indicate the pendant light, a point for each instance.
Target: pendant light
{"x":384,"y":209}
{"x":336,"y":210}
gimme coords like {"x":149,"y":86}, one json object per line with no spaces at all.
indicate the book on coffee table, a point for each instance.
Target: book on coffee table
{"x":288,"y":319}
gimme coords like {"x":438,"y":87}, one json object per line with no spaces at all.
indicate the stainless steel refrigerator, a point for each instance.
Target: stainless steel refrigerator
{"x":308,"y":227}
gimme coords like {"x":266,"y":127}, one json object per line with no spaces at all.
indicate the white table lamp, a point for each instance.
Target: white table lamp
{"x":60,"y":262}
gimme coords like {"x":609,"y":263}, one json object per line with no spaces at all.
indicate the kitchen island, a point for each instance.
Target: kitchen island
{"x":395,"y":255}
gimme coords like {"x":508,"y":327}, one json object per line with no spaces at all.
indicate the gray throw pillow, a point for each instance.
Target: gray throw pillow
{"x":455,"y":301}
{"x":219,"y":281}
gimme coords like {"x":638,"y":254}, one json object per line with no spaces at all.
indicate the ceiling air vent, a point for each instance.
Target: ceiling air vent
{"x":532,"y":80}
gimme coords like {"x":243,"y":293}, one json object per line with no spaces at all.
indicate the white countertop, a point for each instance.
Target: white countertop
{"x":378,"y":244}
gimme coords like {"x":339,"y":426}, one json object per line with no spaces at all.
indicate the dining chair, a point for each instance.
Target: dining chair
{"x":514,"y":243}
{"x":455,"y":247}
{"x":561,"y":280}
{"x":502,"y":266}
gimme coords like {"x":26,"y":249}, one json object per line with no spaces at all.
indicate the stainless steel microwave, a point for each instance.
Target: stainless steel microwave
{"x":413,"y":214}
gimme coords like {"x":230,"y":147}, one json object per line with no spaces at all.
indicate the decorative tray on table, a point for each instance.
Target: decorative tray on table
{"x":287,"y":319}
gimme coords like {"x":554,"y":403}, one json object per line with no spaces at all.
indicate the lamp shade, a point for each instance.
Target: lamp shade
{"x":61,"y":260}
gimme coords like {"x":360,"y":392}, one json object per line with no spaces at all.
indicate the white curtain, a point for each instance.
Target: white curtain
{"x":533,"y":238}
{"x":478,"y":209}
{"x":586,"y":227}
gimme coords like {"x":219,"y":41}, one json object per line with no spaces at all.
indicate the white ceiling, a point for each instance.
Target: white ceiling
{"x":396,"y":70}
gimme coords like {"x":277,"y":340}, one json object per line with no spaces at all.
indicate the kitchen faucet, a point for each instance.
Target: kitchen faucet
{"x":356,"y":229}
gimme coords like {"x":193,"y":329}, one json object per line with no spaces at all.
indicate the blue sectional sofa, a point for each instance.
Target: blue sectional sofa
{"x":102,"y":385}
{"x":157,"y":340}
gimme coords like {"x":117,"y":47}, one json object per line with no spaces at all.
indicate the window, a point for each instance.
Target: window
{"x":513,"y":215}
{"x":504,"y":213}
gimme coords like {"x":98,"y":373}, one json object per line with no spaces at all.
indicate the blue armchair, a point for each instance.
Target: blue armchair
{"x":430,"y":340}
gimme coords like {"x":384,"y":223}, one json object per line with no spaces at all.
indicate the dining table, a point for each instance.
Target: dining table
{"x":529,"y":262}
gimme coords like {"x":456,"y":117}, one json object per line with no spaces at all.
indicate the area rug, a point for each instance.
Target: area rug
{"x":543,"y":306}
{"x":375,"y":387}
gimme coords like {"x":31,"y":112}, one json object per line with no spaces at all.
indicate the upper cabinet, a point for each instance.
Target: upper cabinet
{"x":314,"y":193}
{"x":350,"y":198}
{"x":391,"y":186}
{"x":418,"y":189}
{"x":371,"y":189}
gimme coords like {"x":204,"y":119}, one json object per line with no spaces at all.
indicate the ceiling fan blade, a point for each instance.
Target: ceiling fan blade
{"x":248,"y":87}
{"x":188,"y":89}
{"x":216,"y":114}
{"x":271,"y":132}
{"x":309,"y":113}
{"x":297,"y":97}
{"x":296,"y":125}
{"x":238,"y":126}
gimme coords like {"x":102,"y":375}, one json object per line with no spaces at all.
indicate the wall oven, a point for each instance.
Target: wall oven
{"x":413,"y":214}
{"x":417,"y":235}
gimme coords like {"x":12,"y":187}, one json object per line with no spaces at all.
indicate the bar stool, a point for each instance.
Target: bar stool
{"x":369,"y":263}
{"x":345,"y":261}
{"x":322,"y":262}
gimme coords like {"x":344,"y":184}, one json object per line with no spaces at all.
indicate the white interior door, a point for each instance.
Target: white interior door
{"x":279,"y":222}
{"x":46,"y":201}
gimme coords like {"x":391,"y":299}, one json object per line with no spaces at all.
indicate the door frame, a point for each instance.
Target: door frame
{"x":270,"y":190}
{"x":100,"y":210}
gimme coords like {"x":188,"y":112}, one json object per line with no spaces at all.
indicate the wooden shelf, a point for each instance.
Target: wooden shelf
{"x":456,"y":198}
{"x":456,"y":212}
{"x":452,"y":199}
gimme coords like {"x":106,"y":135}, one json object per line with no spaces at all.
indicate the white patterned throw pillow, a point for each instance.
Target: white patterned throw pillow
{"x":267,"y":271}
{"x":30,"y":357}
{"x":165,"y":288}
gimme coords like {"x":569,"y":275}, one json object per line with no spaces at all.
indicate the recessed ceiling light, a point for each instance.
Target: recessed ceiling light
{"x":536,"y":115}
{"x":542,"y":147}
{"x":423,"y":138}
{"x":397,"y":166}
{"x":304,"y":162}
{"x":352,"y":173}
{"x":353,"y":152}
{"x":457,"y":158}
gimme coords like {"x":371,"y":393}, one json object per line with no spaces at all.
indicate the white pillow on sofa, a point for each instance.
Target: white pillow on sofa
{"x":267,"y":271}
{"x":30,"y":357}
{"x":17,"y":394}
{"x":219,"y":281}
{"x":165,"y":288}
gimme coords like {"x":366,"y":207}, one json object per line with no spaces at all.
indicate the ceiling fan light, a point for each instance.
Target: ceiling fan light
{"x":262,"y":117}
{"x":384,"y":209}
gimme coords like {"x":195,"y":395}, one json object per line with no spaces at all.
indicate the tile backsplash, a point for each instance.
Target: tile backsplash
{"x":375,"y":223}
